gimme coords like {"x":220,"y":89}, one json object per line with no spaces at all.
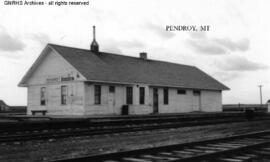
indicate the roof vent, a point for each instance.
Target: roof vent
{"x":94,"y":45}
{"x":143,"y":55}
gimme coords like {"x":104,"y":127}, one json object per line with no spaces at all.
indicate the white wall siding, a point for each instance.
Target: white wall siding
{"x":80,"y":100}
{"x":52,"y":66}
{"x":138,"y":108}
{"x":119,"y":97}
{"x":211,"y":101}
{"x":33,"y":99}
{"x":75,"y":99}
{"x":177,"y":102}
{"x":104,"y":108}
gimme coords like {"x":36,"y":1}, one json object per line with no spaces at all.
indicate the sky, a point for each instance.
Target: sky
{"x":235,"y":50}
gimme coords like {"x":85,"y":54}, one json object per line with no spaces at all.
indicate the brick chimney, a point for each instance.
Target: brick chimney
{"x":143,"y":55}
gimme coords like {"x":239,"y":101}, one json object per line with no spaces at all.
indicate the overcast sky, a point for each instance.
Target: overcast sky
{"x":236,"y":50}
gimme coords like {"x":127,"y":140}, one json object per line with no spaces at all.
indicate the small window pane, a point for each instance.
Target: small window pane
{"x":111,"y":89}
{"x":181,"y":91}
{"x":43,"y":96}
{"x":142,"y":95}
{"x":196,"y":93}
{"x":97,"y":94}
{"x":64,"y":95}
{"x":129,"y":95}
{"x":166,"y":96}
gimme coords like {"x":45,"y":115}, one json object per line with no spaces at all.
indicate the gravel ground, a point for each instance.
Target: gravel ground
{"x":79,"y":146}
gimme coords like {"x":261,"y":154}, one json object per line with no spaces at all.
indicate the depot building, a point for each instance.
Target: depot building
{"x":72,"y":81}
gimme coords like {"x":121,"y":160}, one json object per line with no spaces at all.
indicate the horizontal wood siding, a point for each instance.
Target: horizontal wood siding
{"x":75,"y":99}
{"x":210,"y":101}
{"x":53,"y":66}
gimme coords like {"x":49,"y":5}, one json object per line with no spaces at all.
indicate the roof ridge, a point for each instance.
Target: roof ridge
{"x":52,"y":44}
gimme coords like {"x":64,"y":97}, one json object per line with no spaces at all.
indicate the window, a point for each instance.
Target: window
{"x":42,"y":96}
{"x":196,"y":93}
{"x":111,"y":89}
{"x":181,"y":91}
{"x":166,"y":96}
{"x":64,"y":92}
{"x":129,"y":95}
{"x":142,"y":94}
{"x":97,"y":94}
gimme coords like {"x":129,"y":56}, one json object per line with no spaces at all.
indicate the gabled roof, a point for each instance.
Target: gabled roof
{"x":2,"y":103}
{"x":108,"y":67}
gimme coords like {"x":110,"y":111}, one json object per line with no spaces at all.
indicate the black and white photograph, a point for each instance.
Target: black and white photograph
{"x":134,"y":81}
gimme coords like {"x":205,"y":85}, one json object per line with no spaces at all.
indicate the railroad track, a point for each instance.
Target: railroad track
{"x":106,"y":126}
{"x":101,"y":130}
{"x":240,"y":148}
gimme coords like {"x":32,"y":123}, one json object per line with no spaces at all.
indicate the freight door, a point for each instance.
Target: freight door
{"x":196,"y":100}
{"x":155,"y":100}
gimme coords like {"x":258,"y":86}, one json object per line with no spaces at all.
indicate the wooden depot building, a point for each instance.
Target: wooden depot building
{"x":72,"y":81}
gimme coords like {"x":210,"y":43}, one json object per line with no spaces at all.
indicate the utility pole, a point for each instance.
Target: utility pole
{"x":260,"y":86}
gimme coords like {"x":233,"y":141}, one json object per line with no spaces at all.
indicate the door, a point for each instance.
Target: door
{"x":196,"y":100}
{"x":155,"y":100}
{"x":111,"y":99}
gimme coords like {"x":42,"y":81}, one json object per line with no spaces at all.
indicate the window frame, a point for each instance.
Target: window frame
{"x":166,"y":96}
{"x":196,"y":92}
{"x":64,"y":94}
{"x":181,"y":91}
{"x":129,"y":95}
{"x":97,"y":94}
{"x":43,"y":96}
{"x":111,"y":89}
{"x":142,"y":95}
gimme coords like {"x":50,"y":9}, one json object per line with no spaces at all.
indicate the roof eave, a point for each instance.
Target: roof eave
{"x":22,"y":83}
{"x":156,"y":85}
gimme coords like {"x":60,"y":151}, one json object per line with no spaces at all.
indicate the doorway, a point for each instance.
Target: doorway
{"x":196,"y":100}
{"x":155,"y":100}
{"x":111,"y":99}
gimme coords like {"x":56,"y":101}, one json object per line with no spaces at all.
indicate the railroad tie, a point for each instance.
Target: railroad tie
{"x":219,"y":147}
{"x":230,"y":145}
{"x":158,"y":157}
{"x":183,"y":154}
{"x":131,"y":159}
{"x":267,"y":137}
{"x":241,"y":157}
{"x":230,"y":160}
{"x":207,"y":148}
{"x":171,"y":154}
{"x":195,"y":150}
{"x":262,"y":152}
{"x":178,"y":155}
{"x":250,"y":155}
{"x":267,"y":148}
